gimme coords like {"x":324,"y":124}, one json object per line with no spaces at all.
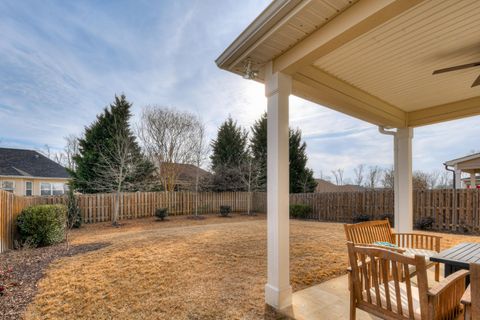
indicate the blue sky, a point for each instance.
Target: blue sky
{"x":61,"y":62}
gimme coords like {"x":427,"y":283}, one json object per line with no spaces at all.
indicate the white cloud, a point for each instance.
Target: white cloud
{"x":62,"y":62}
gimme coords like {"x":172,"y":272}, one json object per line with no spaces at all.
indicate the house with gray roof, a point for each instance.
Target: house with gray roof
{"x":29,"y":173}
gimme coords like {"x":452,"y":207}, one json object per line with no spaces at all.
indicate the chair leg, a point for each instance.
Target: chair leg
{"x":437,"y":272}
{"x":353,"y":308}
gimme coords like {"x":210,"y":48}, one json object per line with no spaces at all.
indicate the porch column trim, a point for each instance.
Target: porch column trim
{"x":403,"y":180}
{"x":278,"y":292}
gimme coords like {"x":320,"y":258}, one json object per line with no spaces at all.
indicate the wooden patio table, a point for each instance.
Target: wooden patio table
{"x":458,"y":257}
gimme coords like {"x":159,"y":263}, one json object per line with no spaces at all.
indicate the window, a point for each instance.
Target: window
{"x":7,"y":186}
{"x":28,"y":188}
{"x":49,"y":189}
{"x":45,"y":189}
{"x":57,"y":189}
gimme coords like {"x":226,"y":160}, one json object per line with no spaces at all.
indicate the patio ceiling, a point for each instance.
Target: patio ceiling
{"x":370,"y":59}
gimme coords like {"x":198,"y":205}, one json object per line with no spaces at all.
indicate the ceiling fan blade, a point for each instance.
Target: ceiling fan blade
{"x":460,"y":67}
{"x":476,"y":82}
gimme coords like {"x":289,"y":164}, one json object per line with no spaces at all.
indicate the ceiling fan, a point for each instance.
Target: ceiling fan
{"x":460,"y":67}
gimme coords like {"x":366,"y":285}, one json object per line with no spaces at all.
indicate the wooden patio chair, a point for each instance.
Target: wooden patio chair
{"x":472,"y":310}
{"x":376,"y":286}
{"x":370,"y":232}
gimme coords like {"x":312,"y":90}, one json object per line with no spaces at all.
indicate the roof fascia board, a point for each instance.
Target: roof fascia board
{"x":259,"y":27}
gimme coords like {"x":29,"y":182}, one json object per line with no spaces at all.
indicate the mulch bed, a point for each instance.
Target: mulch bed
{"x":28,"y":266}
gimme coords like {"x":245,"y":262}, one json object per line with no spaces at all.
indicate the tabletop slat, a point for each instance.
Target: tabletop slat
{"x":460,"y":255}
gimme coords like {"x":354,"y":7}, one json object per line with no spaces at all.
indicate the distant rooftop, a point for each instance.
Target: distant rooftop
{"x":463,"y":159}
{"x":29,"y":163}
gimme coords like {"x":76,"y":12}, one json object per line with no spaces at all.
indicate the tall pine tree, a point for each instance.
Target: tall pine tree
{"x":229,"y":153}
{"x":301,"y":177}
{"x":98,"y":142}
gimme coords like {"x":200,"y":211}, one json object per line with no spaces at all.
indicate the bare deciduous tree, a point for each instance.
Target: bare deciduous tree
{"x":169,"y":138}
{"x":373,"y":176}
{"x":433,"y":179}
{"x":70,"y":150}
{"x":200,"y":150}
{"x":388,"y":177}
{"x":359,"y":174}
{"x":117,"y":166}
{"x":250,"y":177}
{"x":65,"y":157}
{"x":338,"y":174}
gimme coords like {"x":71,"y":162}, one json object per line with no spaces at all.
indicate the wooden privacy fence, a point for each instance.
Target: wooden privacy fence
{"x":450,"y":210}
{"x":99,"y":207}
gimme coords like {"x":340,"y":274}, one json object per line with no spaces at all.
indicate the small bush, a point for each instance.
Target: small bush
{"x":161,"y":213}
{"x":225,"y":210}
{"x":360,"y":217}
{"x":425,"y":223}
{"x":390,"y":218}
{"x":300,"y":211}
{"x":42,"y":225}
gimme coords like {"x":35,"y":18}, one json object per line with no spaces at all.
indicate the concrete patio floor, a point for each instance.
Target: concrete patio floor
{"x":330,"y":300}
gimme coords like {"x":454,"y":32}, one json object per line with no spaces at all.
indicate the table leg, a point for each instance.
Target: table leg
{"x":448,"y":270}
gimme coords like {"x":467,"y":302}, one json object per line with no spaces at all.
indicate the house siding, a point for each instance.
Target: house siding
{"x":20,"y":182}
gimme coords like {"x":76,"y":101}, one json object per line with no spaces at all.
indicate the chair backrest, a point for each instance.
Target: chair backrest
{"x":475,"y":289}
{"x":377,"y":285}
{"x":369,"y":232}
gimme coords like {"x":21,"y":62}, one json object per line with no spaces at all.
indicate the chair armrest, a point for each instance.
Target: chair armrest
{"x":448,"y":282}
{"x":444,"y":298}
{"x":417,"y":241}
{"x":467,"y":297}
{"x":398,"y":250}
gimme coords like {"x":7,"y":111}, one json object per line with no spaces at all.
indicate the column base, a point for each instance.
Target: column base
{"x":278,"y":298}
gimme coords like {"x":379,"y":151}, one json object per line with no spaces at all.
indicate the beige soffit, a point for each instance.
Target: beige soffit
{"x":372,"y":60}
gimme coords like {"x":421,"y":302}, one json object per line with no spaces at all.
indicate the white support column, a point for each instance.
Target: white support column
{"x":473,"y":180}
{"x":278,"y":292}
{"x":403,"y":180}
{"x":458,"y":178}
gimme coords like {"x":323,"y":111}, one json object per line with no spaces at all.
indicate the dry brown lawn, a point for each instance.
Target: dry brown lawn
{"x":184,"y":269}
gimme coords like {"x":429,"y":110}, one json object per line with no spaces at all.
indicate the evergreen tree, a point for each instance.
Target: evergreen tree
{"x":301,"y":177}
{"x":258,"y":145}
{"x":229,"y":153}
{"x":98,"y":142}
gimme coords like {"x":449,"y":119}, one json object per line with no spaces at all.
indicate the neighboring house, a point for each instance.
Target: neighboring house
{"x":469,"y":164}
{"x":327,"y":186}
{"x":188,"y":174}
{"x":29,"y":173}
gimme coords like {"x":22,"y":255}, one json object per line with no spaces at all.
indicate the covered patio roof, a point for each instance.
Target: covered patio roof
{"x":372,"y":60}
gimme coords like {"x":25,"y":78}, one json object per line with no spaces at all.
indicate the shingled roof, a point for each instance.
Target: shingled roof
{"x":29,"y":163}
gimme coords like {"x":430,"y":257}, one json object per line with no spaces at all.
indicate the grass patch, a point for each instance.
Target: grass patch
{"x":185,"y":269}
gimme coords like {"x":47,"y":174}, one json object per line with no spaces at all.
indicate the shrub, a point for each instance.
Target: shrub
{"x":300,"y":211}
{"x":42,"y":225}
{"x":161,"y":213}
{"x":360,"y":217}
{"x":390,"y":218}
{"x":74,"y":215}
{"x":425,"y":223}
{"x":225,"y":210}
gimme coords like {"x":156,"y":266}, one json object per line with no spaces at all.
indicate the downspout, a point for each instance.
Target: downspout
{"x":454,"y":192}
{"x":393,"y":133}
{"x":454,"y":175}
